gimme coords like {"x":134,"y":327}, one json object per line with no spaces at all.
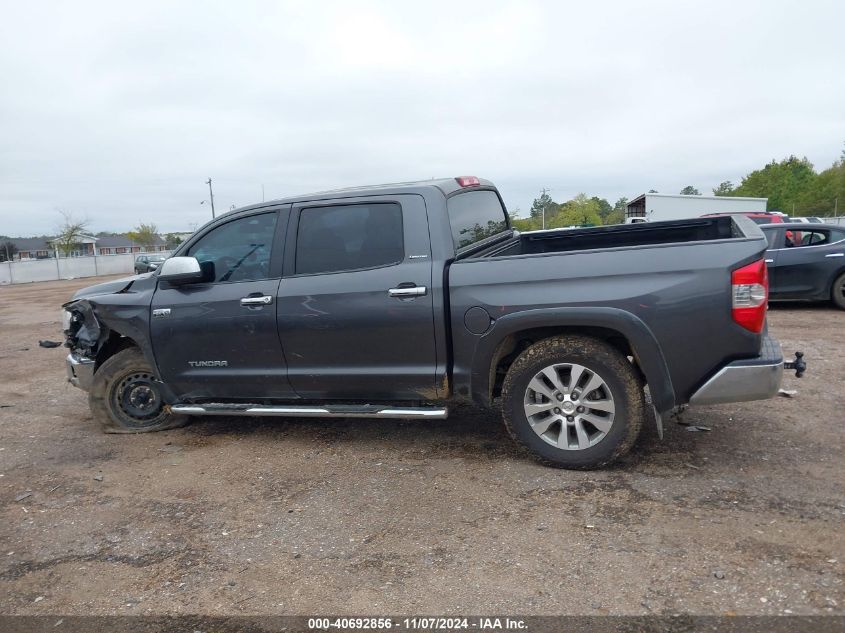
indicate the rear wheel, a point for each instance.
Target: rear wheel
{"x":574,"y":401}
{"x":126,"y":397}
{"x":837,"y":292}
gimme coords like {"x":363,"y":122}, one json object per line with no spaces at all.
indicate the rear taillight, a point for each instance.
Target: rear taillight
{"x":468,"y":181}
{"x":750,"y":287}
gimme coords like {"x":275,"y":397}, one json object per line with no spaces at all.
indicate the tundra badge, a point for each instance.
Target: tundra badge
{"x":208,"y":363}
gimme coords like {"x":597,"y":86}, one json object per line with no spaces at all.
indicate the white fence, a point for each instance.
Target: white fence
{"x":68,"y":268}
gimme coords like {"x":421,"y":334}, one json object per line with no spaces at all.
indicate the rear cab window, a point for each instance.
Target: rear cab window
{"x":475,"y":216}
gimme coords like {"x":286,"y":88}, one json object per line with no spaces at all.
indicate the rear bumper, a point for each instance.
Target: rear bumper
{"x":80,"y":371}
{"x":743,"y":380}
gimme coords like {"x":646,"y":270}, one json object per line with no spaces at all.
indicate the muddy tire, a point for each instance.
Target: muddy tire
{"x":575,"y":402}
{"x":837,"y":292}
{"x":125,"y":397}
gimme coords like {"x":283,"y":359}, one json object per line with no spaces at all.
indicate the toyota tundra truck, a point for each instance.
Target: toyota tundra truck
{"x":397,"y":301}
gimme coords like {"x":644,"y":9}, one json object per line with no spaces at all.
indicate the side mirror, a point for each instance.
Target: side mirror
{"x":181,"y":270}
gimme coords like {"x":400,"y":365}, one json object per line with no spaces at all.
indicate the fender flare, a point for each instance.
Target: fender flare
{"x":644,"y":345}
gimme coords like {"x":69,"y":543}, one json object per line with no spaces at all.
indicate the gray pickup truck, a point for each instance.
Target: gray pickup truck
{"x":395,"y":301}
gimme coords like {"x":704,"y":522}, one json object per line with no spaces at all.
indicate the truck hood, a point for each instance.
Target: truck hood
{"x":109,"y":287}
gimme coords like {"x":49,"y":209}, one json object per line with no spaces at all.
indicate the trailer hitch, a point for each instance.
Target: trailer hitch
{"x":798,"y":364}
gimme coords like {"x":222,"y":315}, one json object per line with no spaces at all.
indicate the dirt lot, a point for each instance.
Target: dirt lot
{"x":241,"y":516}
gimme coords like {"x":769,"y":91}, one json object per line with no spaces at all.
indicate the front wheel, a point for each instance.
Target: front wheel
{"x":837,"y":292}
{"x":574,"y":401}
{"x":125,"y":396}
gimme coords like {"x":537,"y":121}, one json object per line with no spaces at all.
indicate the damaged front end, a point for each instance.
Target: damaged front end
{"x":102,"y":319}
{"x":84,"y":337}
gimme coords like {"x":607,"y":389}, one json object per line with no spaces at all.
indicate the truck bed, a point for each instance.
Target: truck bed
{"x":645,"y":234}
{"x":672,"y":277}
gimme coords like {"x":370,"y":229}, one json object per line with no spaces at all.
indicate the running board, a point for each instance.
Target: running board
{"x":306,"y":411}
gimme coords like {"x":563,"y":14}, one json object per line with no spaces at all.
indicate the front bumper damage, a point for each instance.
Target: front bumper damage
{"x":80,"y":371}
{"x":748,"y":379}
{"x":84,"y":336}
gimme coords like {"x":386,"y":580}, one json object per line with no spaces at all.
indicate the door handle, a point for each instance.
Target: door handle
{"x":257,"y":301}
{"x":770,"y":261}
{"x":836,"y":255}
{"x":410,"y":291}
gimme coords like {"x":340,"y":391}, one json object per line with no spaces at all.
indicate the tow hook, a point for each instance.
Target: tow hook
{"x":798,"y":364}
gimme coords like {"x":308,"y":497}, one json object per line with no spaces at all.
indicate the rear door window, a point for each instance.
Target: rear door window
{"x":808,"y":238}
{"x":475,"y":216}
{"x":349,"y":237}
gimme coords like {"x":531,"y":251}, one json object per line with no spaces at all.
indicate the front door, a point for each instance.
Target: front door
{"x":355,"y":308}
{"x":218,"y":339}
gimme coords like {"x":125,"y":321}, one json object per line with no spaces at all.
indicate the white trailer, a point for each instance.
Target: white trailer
{"x":655,"y":207}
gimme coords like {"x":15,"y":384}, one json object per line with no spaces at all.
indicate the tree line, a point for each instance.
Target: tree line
{"x":792,"y":186}
{"x":579,"y":211}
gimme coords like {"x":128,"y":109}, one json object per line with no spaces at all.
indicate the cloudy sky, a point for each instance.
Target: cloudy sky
{"x":120,"y":111}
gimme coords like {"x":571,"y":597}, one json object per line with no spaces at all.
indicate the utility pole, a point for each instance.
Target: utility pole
{"x":262,"y":192}
{"x":545,"y":191}
{"x":211,"y":194}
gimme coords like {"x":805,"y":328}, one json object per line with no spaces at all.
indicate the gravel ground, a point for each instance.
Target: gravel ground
{"x":258,"y":516}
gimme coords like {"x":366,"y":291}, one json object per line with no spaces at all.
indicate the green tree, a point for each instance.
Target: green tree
{"x":172,"y":240}
{"x":827,"y":196}
{"x":580,"y":210}
{"x":617,"y":215}
{"x":543,"y":204}
{"x":523,"y":224}
{"x":785,"y":183}
{"x":69,"y":232}
{"x":604,"y":207}
{"x":689,"y":190}
{"x":725,"y":188}
{"x":145,"y":235}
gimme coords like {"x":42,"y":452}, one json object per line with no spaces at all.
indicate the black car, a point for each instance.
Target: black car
{"x":806,"y":262}
{"x":148,"y":263}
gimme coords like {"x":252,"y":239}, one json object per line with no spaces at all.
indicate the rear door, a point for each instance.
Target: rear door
{"x":355,"y":308}
{"x":218,"y":339}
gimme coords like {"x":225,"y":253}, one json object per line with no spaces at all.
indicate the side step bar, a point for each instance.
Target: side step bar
{"x":308,"y":411}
